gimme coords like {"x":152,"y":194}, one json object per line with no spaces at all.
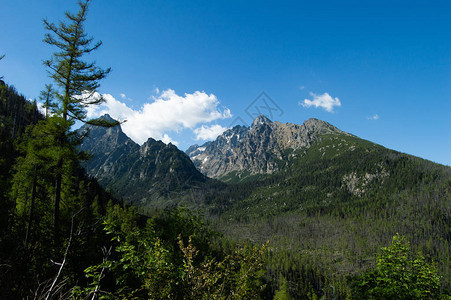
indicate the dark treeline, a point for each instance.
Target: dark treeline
{"x":16,"y":112}
{"x":27,"y":242}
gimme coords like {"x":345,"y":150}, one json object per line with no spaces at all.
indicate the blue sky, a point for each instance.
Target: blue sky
{"x":185,"y":70}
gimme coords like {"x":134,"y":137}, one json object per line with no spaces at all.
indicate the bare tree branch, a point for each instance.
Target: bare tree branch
{"x":69,"y":242}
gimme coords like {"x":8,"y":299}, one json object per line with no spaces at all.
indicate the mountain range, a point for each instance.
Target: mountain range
{"x":264,"y":148}
{"x":150,"y":173}
{"x":323,"y":197}
{"x":156,"y":173}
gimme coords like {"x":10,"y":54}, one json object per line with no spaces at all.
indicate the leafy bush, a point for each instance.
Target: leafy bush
{"x":399,"y":275}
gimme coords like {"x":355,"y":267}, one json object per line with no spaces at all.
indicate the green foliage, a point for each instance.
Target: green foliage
{"x":327,"y":215}
{"x":47,"y":97}
{"x":76,"y":78}
{"x":399,"y":275}
{"x":28,"y":151}
{"x":146,"y":265}
{"x":282,"y":293}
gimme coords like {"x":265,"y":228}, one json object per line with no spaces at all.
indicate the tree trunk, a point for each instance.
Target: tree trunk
{"x":56,"y":208}
{"x":33,"y":199}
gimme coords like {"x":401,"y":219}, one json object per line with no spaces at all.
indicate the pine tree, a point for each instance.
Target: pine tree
{"x":47,"y":96}
{"x":76,"y":80}
{"x":282,"y":293}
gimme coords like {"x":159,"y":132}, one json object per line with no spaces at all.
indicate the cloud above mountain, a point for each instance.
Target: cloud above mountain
{"x":167,"y":112}
{"x":209,"y":132}
{"x":324,"y":101}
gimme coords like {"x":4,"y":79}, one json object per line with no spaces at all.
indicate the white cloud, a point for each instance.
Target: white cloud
{"x":124,"y":97}
{"x":40,"y":105}
{"x":324,"y":101}
{"x":167,"y":139}
{"x":41,"y":108}
{"x":167,"y":112}
{"x":374,"y":118}
{"x":209,"y":132}
{"x":115,"y":108}
{"x":302,"y":87}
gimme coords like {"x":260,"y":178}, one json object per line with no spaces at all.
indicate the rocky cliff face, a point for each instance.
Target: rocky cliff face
{"x":263,"y":148}
{"x":107,"y":146}
{"x":137,"y":174}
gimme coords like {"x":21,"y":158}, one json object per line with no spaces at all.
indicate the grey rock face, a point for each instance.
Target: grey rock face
{"x":259,"y":149}
{"x":107,"y":146}
{"x":138,"y":174}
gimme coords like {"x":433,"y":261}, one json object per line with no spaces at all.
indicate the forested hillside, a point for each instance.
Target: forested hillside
{"x":328,"y":213}
{"x":27,"y":242}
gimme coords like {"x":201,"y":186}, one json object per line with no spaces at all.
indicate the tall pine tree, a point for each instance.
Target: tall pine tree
{"x":76,"y":81}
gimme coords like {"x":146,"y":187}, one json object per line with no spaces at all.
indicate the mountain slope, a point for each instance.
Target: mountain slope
{"x":147,"y":175}
{"x":263,"y":148}
{"x":325,"y":198}
{"x":106,"y":146}
{"x":336,"y":202}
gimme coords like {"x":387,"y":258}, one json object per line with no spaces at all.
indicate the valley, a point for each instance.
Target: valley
{"x":322,"y":197}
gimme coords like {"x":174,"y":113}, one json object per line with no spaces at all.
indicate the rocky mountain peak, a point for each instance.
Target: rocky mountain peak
{"x":315,"y":123}
{"x":148,"y":145}
{"x":322,"y":127}
{"x":260,"y":149}
{"x":141,"y":174}
{"x":260,"y":120}
{"x":107,"y":117}
{"x":103,"y":139}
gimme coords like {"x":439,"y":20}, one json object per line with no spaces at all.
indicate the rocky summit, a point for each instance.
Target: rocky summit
{"x":263,"y":148}
{"x":137,"y":174}
{"x":106,"y":146}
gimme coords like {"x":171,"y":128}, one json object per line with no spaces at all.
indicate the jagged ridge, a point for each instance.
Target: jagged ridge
{"x":139,"y":175}
{"x":259,"y":149}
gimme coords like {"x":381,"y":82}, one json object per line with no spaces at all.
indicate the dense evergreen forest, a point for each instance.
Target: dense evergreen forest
{"x":324,"y":231}
{"x":369,"y":223}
